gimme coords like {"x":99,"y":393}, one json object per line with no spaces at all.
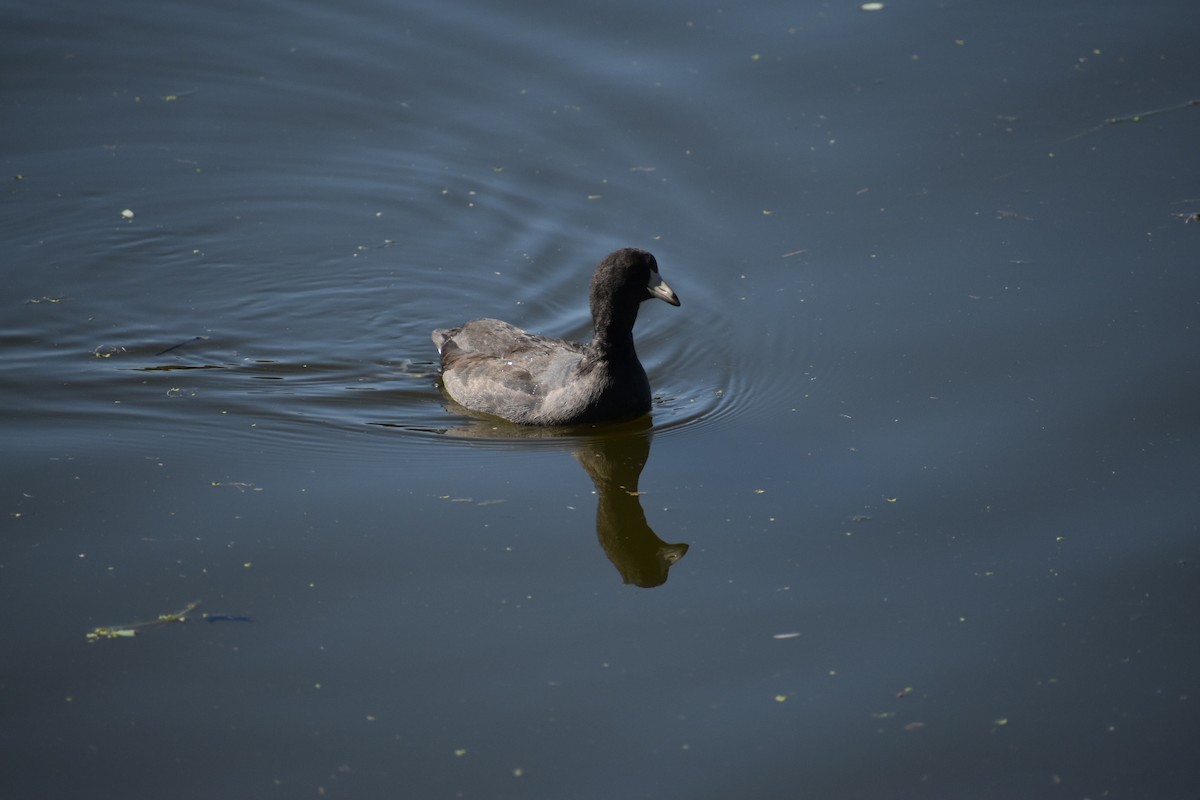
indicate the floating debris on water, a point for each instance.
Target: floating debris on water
{"x":134,"y":628}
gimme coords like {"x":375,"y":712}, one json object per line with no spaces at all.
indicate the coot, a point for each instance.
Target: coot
{"x":496,"y":368}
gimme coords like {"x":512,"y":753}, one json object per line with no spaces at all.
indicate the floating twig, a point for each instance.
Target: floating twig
{"x":1153,"y":113}
{"x":181,"y":344}
{"x":132,"y":629}
{"x":1132,"y":118}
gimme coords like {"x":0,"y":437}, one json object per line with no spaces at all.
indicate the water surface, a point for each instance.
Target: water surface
{"x":912,"y":517}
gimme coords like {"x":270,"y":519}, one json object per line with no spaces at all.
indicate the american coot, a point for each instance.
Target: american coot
{"x":498,"y":369}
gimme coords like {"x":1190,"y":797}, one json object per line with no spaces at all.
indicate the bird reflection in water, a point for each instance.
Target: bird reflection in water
{"x":613,"y":457}
{"x":614,"y":462}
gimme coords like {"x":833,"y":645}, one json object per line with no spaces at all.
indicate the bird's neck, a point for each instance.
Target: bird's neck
{"x":614,"y":332}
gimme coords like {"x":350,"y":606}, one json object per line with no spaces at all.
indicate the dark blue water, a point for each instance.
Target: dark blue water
{"x":914,"y":513}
